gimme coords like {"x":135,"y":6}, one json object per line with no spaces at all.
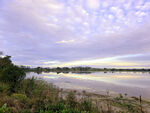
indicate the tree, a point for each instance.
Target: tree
{"x":10,"y":73}
{"x":5,"y":62}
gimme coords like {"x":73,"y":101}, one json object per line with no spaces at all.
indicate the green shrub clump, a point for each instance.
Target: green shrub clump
{"x":10,"y":73}
{"x":4,"y":109}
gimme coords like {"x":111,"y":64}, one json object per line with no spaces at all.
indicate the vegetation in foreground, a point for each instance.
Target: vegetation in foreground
{"x":20,"y":95}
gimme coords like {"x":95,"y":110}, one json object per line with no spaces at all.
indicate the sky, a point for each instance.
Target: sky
{"x":96,"y":33}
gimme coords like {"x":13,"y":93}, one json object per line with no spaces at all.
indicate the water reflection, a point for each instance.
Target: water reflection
{"x":134,"y":84}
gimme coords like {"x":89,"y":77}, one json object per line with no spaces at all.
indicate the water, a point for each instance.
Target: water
{"x":133,"y":84}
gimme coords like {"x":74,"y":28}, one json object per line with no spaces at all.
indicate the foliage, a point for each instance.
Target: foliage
{"x":43,"y":98}
{"x":4,"y":109}
{"x":71,"y":100}
{"x":10,"y":73}
{"x":20,"y":97}
{"x":5,"y":62}
{"x":4,"y":87}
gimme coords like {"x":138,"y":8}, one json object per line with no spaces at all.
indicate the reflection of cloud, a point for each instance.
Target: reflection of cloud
{"x":127,"y":77}
{"x":50,"y":77}
{"x":106,"y":78}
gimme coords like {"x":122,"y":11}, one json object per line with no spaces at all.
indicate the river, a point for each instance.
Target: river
{"x":131,"y":83}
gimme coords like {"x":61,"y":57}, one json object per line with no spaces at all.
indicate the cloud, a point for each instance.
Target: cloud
{"x":66,"y":41}
{"x":93,"y":4}
{"x":105,"y":62}
{"x":51,"y":62}
{"x":36,"y":32}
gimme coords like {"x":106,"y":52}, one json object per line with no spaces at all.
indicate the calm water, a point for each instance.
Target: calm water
{"x":134,"y":84}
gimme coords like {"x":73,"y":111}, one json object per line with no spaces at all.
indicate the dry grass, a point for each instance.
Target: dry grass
{"x":36,"y":96}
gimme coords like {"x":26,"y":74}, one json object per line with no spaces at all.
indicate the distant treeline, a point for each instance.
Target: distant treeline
{"x":79,"y":69}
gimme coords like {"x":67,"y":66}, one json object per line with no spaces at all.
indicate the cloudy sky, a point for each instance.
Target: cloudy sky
{"x":97,"y":33}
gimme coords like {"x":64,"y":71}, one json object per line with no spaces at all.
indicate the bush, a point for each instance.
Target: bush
{"x":20,"y":97}
{"x":4,"y":88}
{"x":86,"y":105}
{"x":5,"y":62}
{"x":71,"y":100}
{"x":4,"y":109}
{"x":12,"y":75}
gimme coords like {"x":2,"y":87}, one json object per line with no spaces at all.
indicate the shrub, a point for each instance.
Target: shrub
{"x":4,"y":109}
{"x":12,"y":75}
{"x":5,"y":62}
{"x":86,"y":105}
{"x":20,"y":97}
{"x":71,"y":100}
{"x":4,"y":88}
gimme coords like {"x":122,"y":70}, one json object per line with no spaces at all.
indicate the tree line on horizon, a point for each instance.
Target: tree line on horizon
{"x":79,"y":69}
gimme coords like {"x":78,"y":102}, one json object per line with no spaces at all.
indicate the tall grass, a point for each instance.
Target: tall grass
{"x":37,"y":96}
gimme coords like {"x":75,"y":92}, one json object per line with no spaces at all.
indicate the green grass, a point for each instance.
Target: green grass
{"x":37,"y":96}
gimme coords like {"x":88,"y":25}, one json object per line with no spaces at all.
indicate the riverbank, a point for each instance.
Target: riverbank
{"x":38,"y":96}
{"x":133,"y":84}
{"x":116,"y":103}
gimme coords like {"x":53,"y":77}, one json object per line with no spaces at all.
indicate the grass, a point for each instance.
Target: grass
{"x":37,"y":96}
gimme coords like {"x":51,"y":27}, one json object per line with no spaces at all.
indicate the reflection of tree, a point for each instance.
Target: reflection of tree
{"x":83,"y":72}
{"x":80,"y":70}
{"x":58,"y":72}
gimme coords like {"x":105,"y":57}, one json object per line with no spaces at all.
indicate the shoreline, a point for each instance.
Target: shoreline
{"x":118,"y":102}
{"x":72,"y":82}
{"x":103,"y":94}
